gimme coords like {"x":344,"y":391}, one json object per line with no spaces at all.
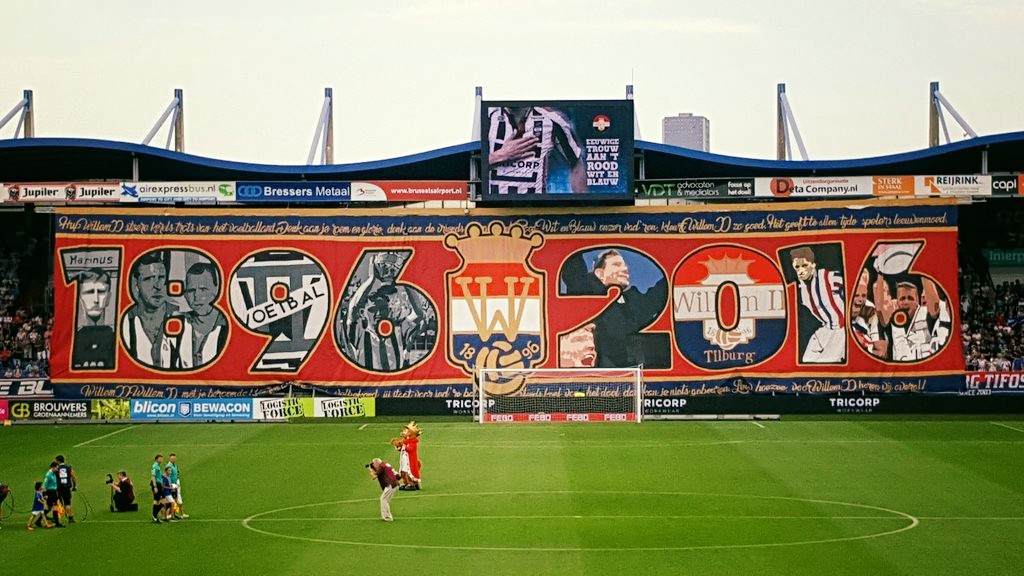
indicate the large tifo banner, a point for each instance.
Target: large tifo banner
{"x":803,"y":298}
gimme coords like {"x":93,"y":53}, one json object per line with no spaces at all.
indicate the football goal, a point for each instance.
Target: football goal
{"x":559,"y":394}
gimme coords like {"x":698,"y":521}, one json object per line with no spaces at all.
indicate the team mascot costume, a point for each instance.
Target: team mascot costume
{"x":409,"y":462}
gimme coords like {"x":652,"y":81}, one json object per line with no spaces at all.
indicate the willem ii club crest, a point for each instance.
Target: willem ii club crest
{"x":729,"y":307}
{"x":496,"y":310}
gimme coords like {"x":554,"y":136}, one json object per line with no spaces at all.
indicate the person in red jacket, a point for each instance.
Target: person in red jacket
{"x":384,"y":474}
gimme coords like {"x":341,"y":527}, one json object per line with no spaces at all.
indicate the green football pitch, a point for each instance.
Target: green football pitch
{"x":723,"y":497}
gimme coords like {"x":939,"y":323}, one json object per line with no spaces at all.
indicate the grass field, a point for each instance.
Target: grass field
{"x":778,"y":497}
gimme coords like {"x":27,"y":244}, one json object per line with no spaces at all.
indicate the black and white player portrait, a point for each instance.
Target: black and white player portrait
{"x":94,"y":345}
{"x":913,"y":310}
{"x":143,"y":326}
{"x":175,"y":322}
{"x":202,"y":330}
{"x":383,"y":324}
{"x":94,"y":274}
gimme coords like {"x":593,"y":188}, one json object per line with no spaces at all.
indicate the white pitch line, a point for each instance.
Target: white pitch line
{"x":588,"y":517}
{"x":1007,"y":426}
{"x":148,"y":521}
{"x":363,"y":426}
{"x":592,"y":517}
{"x":105,"y":436}
{"x":598,"y":444}
{"x":974,"y":518}
{"x":758,"y":424}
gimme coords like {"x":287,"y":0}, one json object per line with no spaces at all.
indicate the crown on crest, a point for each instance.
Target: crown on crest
{"x":499,"y":245}
{"x":727,"y":266}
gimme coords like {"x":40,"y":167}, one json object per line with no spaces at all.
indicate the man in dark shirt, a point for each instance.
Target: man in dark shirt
{"x":617,"y":329}
{"x":67,"y":483}
{"x":385,"y":475}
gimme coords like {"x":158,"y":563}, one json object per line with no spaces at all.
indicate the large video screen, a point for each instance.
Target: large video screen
{"x":557,"y":150}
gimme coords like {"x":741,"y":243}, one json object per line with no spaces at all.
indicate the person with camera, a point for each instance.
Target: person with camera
{"x":122,"y":493}
{"x":385,"y":475}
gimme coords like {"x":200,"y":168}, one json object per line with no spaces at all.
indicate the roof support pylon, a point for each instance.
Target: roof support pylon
{"x":324,"y":136}
{"x":25,"y":120}
{"x":786,"y":123}
{"x":176,"y":112}
{"x":936,"y":102}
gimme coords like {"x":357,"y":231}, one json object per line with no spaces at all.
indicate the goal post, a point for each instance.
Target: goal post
{"x":560,"y":394}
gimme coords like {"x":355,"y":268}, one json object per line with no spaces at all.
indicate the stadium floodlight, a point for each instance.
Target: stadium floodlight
{"x":560,"y":394}
{"x":24,"y":106}
{"x":787,"y":124}
{"x":176,"y":112}
{"x":936,"y":119}
{"x":324,"y":135}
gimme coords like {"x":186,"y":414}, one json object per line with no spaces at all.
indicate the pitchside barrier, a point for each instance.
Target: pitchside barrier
{"x":284,"y":409}
{"x":508,"y":395}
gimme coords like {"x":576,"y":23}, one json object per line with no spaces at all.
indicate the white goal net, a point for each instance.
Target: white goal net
{"x":559,"y":394}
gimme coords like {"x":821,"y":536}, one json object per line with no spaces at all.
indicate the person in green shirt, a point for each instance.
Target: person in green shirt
{"x":50,"y":489}
{"x":156,"y":474}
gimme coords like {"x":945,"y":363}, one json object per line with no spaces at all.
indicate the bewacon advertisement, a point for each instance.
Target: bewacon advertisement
{"x":194,"y":410}
{"x":819,"y":298}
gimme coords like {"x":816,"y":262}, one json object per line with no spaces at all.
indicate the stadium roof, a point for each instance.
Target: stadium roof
{"x":81,"y":159}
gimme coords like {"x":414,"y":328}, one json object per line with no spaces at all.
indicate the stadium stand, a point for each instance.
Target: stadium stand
{"x":26,"y":318}
{"x":991,"y":309}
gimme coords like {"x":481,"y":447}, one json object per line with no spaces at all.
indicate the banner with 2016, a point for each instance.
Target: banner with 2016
{"x":721,"y":299}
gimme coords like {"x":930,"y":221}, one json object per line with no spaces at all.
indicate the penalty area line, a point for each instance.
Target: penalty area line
{"x":79,"y":445}
{"x":1006,"y":426}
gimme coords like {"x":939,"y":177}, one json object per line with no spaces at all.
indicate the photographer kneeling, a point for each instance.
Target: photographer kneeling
{"x":123,"y":493}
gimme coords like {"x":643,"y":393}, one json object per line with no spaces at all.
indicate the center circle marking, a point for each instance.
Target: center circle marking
{"x":912,"y":523}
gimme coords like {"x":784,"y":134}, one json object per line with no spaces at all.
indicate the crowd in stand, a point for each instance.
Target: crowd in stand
{"x":25,"y":345}
{"x":25,"y":318}
{"x":991,"y":312}
{"x":992,"y":326}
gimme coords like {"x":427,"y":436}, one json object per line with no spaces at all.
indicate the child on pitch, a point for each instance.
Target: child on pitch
{"x":37,"y":516}
{"x":172,"y":463}
{"x":168,"y":498}
{"x":409,"y":460}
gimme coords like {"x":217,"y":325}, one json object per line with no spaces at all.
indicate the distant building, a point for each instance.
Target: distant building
{"x":688,"y":131}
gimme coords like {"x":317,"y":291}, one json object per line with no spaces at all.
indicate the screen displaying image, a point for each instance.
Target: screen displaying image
{"x":557,"y":150}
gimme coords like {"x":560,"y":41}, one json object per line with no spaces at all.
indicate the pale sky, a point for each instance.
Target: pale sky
{"x":404,"y":71}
